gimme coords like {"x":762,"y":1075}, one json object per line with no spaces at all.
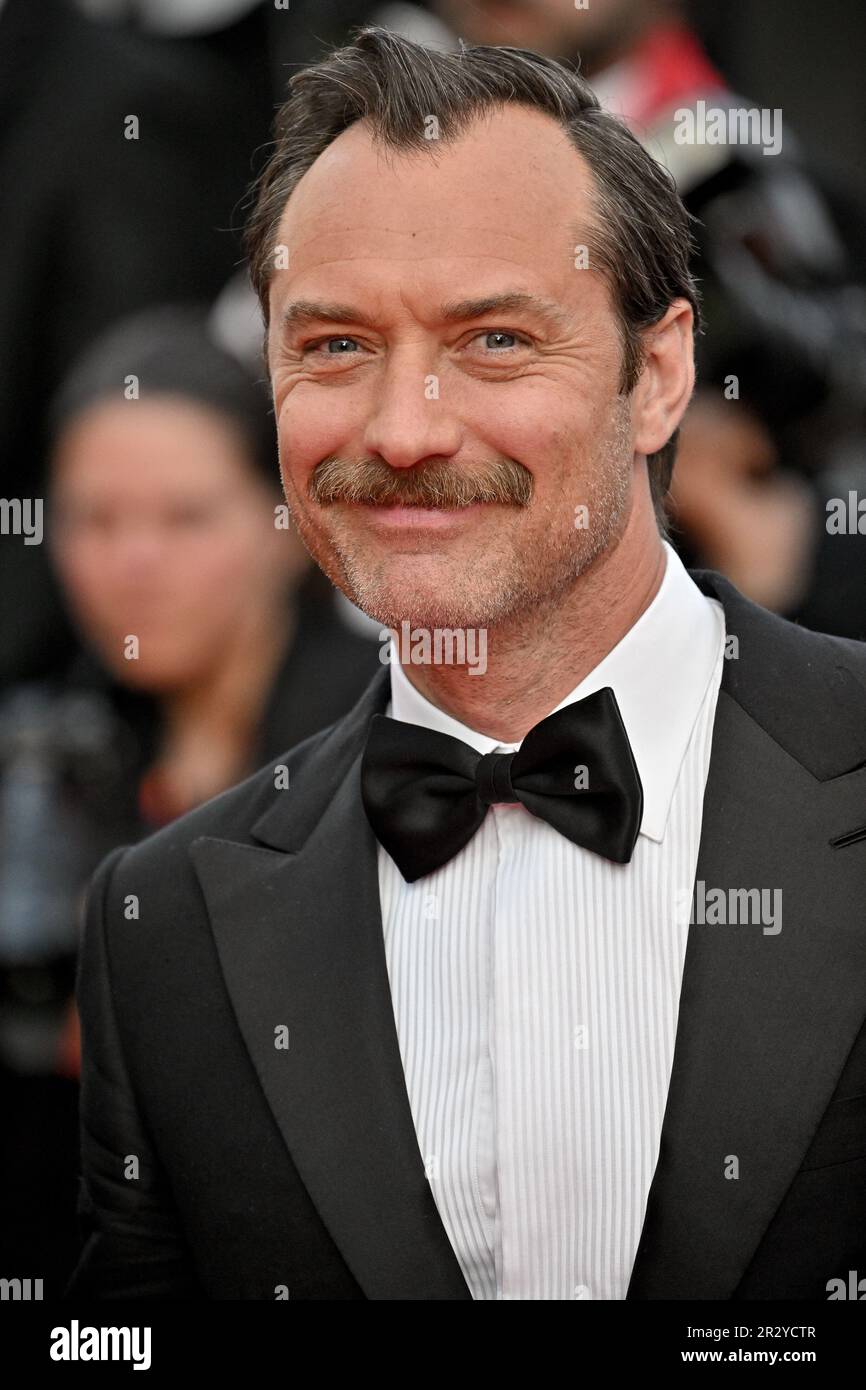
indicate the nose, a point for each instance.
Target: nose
{"x":410,"y":421}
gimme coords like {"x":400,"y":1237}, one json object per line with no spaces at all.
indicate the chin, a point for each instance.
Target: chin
{"x":436,"y":606}
{"x":151,"y":677}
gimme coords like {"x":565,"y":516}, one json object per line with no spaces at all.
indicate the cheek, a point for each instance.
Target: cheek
{"x":218,"y":572}
{"x":212,"y":587}
{"x":82,"y":574}
{"x":313,"y":424}
{"x":536,"y":425}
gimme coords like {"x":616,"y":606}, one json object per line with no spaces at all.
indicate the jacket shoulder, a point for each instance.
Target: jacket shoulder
{"x":806,"y":689}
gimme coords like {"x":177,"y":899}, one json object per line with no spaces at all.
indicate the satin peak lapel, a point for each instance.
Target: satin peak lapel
{"x":299,"y":933}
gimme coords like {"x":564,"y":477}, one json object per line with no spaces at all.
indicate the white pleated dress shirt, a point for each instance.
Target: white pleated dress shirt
{"x":536,"y":985}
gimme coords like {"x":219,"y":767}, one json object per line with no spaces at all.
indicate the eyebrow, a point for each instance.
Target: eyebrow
{"x":303,"y":312}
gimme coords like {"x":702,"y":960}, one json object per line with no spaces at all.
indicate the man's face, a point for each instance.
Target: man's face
{"x":387,"y":386}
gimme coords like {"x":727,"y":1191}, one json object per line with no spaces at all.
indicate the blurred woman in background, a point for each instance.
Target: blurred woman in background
{"x":187,"y":590}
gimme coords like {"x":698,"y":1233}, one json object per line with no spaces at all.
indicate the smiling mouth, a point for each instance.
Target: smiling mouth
{"x":398,"y":514}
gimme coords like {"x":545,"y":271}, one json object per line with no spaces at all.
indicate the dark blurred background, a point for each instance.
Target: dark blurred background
{"x":130,"y":132}
{"x":807,"y":59}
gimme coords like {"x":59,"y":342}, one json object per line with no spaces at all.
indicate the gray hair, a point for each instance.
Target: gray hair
{"x":639,"y":237}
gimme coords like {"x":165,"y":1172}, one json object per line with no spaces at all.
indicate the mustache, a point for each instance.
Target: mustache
{"x":438,"y":484}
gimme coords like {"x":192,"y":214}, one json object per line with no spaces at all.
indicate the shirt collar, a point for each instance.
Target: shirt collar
{"x":659,"y":672}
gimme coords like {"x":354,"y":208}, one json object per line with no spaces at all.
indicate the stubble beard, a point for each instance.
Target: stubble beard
{"x":517,"y":579}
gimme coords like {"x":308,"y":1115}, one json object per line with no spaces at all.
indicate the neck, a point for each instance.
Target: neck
{"x":534,"y":660}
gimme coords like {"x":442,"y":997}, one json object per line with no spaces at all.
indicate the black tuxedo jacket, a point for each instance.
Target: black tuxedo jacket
{"x":217,"y":1164}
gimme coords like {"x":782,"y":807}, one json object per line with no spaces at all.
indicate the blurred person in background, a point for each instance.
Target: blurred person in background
{"x":777,"y":428}
{"x":129,"y":131}
{"x":210,"y":645}
{"x":122,"y":157}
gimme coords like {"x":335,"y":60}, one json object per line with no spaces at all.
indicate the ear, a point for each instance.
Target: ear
{"x":667,"y":380}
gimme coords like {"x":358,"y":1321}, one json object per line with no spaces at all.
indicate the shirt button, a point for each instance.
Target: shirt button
{"x":582,"y":1291}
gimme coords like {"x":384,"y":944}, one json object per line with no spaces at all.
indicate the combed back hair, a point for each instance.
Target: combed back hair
{"x":638,"y":237}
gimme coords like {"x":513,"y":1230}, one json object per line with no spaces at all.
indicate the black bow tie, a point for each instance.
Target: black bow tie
{"x":426,"y":793}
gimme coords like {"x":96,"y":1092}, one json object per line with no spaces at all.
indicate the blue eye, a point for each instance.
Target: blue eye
{"x":498,"y":333}
{"x":518,"y":340}
{"x":319,"y":343}
{"x":339,"y":338}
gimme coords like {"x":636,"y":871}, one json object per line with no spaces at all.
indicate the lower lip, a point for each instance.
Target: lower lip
{"x":420,"y":518}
